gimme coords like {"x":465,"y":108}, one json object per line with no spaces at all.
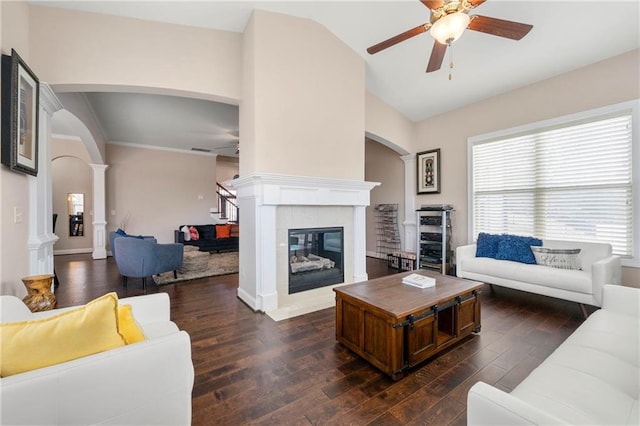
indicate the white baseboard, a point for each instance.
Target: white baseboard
{"x":248,"y":299}
{"x":73,"y":251}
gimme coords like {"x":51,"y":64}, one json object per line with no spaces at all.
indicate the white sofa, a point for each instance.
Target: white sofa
{"x":591,"y":378}
{"x":598,"y":267}
{"x":146,"y":383}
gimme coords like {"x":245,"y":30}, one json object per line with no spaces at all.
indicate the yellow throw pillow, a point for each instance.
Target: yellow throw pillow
{"x":127,"y":326}
{"x":29,"y":345}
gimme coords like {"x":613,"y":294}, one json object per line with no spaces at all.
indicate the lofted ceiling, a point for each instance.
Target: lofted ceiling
{"x":566,"y":35}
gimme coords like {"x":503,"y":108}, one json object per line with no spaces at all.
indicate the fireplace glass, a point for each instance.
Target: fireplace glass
{"x":315,"y":258}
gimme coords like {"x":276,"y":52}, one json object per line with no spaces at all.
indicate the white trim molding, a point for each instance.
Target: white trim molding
{"x":41,"y":236}
{"x":99,"y":211}
{"x":410,"y":189}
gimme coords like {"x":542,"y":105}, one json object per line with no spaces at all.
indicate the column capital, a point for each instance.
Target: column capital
{"x":97,"y":167}
{"x":408,"y":157}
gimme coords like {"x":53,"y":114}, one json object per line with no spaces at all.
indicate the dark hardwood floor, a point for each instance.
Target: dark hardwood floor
{"x":251,"y":369}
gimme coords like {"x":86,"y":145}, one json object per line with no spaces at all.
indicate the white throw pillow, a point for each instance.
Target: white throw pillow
{"x":186,"y":233}
{"x":557,"y":258}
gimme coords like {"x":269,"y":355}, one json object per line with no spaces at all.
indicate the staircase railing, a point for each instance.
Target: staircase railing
{"x":227,"y":204}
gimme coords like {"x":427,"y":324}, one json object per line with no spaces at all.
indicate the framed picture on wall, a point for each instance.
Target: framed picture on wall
{"x":428,"y":172}
{"x":20,"y":104}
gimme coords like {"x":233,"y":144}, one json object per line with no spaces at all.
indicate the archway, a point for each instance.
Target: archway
{"x":391,"y":163}
{"x":72,"y":193}
{"x":66,"y":125}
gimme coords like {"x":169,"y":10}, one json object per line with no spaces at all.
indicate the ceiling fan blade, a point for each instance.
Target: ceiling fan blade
{"x":397,"y":39}
{"x":437,"y":56}
{"x":476,"y":3}
{"x":432,"y":4}
{"x":499,"y":27}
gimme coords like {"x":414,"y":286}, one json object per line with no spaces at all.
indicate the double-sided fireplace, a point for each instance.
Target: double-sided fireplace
{"x":316,"y":258}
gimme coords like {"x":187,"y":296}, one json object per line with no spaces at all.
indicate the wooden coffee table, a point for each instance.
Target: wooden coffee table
{"x":395,"y":326}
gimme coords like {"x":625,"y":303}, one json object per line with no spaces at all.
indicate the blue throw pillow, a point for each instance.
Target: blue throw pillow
{"x":121,"y":232}
{"x":517,"y":249}
{"x":487,"y":245}
{"x":207,"y":232}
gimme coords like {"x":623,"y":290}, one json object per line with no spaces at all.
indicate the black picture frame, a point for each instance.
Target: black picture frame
{"x":20,"y":105}
{"x":428,"y":172}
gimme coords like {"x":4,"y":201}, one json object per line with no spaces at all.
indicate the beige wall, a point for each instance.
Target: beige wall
{"x":304,"y":93}
{"x":385,"y":166}
{"x":72,"y":48}
{"x":72,"y":175}
{"x":14,"y":187}
{"x":605,"y":83}
{"x":386,"y":125}
{"x":226,"y":168}
{"x":152,"y":192}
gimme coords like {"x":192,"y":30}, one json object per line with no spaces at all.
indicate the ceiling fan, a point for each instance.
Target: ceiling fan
{"x":449,"y":19}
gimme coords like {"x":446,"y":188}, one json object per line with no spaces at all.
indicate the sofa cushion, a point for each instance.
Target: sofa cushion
{"x":207,"y":232}
{"x":195,"y":235}
{"x":223,"y":230}
{"x":589,"y":252}
{"x":592,"y":378}
{"x":122,"y":233}
{"x":517,"y":248}
{"x":127,"y":326}
{"x":487,"y":245}
{"x":565,"y":279}
{"x":53,"y":340}
{"x":557,"y":258}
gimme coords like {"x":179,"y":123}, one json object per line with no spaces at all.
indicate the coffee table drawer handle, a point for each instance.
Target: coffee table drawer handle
{"x":411,"y":319}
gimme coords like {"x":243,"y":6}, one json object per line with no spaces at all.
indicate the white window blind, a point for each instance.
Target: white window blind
{"x":569,"y":182}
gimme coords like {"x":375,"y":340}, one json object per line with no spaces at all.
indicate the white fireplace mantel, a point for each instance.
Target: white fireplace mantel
{"x":273,"y":189}
{"x":259,"y":196}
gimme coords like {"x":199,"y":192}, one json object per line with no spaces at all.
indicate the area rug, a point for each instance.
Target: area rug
{"x":219,"y":264}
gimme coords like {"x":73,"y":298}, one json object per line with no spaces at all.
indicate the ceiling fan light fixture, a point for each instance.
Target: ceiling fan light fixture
{"x":450,"y":27}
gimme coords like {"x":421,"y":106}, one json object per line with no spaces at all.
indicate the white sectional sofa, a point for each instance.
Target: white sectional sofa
{"x":598,"y":267}
{"x":592,"y":378}
{"x":146,"y":383}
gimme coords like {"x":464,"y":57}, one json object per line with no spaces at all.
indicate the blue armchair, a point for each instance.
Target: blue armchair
{"x":120,"y":233}
{"x":142,"y":258}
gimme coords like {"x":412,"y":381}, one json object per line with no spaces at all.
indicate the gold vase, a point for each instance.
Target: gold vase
{"x":40,"y":297}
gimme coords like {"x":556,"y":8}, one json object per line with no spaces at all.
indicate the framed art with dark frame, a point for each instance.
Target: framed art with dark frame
{"x":20,"y":104}
{"x":428,"y":172}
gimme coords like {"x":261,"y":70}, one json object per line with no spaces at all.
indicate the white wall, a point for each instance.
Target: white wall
{"x":604,"y":83}
{"x":152,"y":192}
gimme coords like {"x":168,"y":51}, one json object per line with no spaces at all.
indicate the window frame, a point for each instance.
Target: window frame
{"x":633,"y":106}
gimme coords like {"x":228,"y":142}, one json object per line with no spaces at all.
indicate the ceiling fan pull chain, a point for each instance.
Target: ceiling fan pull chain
{"x":450,"y":62}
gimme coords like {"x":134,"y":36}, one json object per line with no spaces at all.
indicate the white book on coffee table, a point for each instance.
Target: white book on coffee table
{"x":418,"y":280}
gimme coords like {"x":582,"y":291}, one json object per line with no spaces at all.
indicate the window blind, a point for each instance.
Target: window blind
{"x":569,"y":182}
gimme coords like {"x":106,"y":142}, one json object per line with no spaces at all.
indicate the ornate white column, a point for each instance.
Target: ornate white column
{"x":410,"y":189}
{"x":99,"y":211}
{"x":41,"y":236}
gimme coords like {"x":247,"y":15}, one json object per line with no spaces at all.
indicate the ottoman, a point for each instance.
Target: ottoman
{"x":194,"y":261}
